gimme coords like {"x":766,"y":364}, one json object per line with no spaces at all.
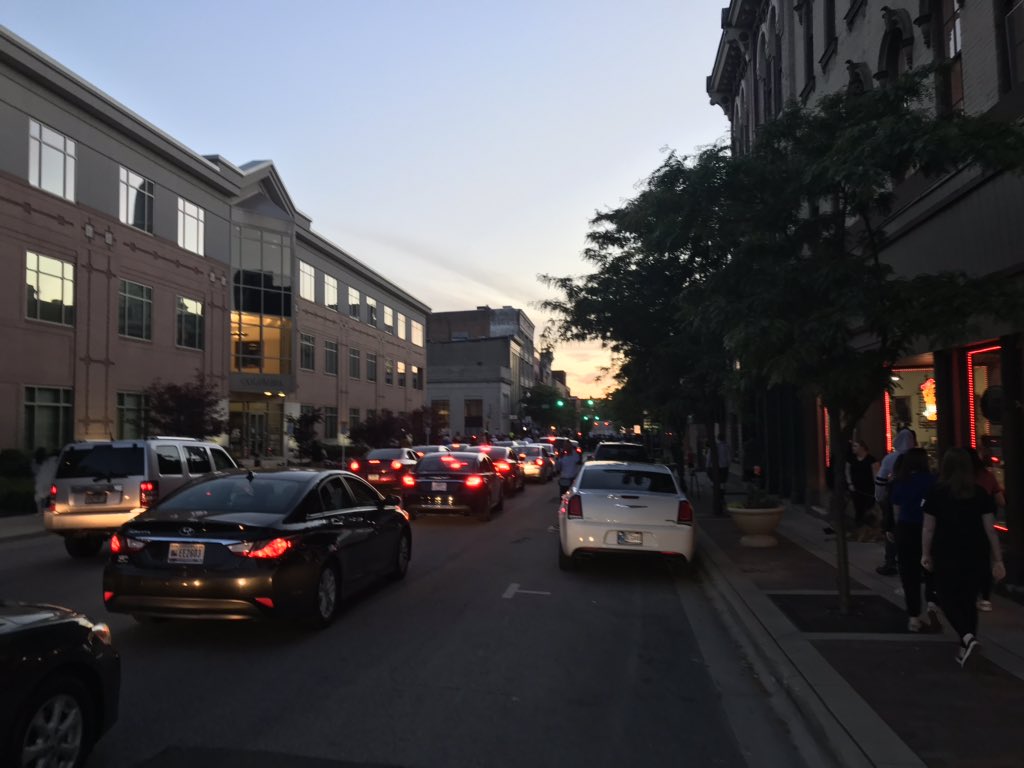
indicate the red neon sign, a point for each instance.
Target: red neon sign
{"x":970,"y":390}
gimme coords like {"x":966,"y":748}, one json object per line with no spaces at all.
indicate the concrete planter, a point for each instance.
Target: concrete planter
{"x":757,"y":525}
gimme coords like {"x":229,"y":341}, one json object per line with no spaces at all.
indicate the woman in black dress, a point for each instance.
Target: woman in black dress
{"x":959,"y":544}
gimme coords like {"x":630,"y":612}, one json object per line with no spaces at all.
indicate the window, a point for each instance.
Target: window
{"x":168,"y":460}
{"x":191,"y":223}
{"x":334,"y":495}
{"x":353,"y":303}
{"x":417,"y":334}
{"x":190,"y":330}
{"x":371,"y":366}
{"x":331,"y":357}
{"x":330,"y":423}
{"x":389,"y":371}
{"x":135,"y":311}
{"x":952,"y":46}
{"x":261,"y":326}
{"x":474,"y":410}
{"x":1012,"y":29}
{"x":363,"y":494}
{"x":371,"y":413}
{"x":401,"y":326}
{"x":51,"y":289}
{"x":807,"y":21}
{"x":307,"y":281}
{"x":51,"y":161}
{"x":48,"y":418}
{"x":417,"y":377}
{"x":330,"y":292}
{"x":389,"y":320}
{"x":131,"y":415}
{"x":353,"y":418}
{"x":401,"y":373}
{"x":197,"y":460}
{"x":441,"y":411}
{"x":371,"y":311}
{"x":307,"y":352}
{"x":221,"y":461}
{"x":830,"y":21}
{"x":353,"y":363}
{"x":135,"y":201}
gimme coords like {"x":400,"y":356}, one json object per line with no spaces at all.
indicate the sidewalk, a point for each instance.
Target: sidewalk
{"x":21,"y":526}
{"x":871,"y":693}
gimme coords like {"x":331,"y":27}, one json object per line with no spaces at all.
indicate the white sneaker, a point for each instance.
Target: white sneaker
{"x":984,"y":605}
{"x":914,"y":624}
{"x":969,"y":647}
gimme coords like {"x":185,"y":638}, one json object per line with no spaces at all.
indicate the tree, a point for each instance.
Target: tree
{"x":304,"y":430}
{"x":541,"y":404}
{"x":380,"y":430}
{"x":191,"y":409}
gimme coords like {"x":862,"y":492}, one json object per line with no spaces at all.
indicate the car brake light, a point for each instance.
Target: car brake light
{"x":269,"y":551}
{"x":115,"y":544}
{"x":53,"y":498}
{"x":147,"y":493}
{"x":353,"y":466}
{"x":107,"y":596}
{"x":575,"y":508}
{"x":539,"y":462}
{"x":396,"y":465}
{"x":685,"y":513}
{"x":474,"y":481}
{"x":502,"y":466}
{"x":409,"y":481}
{"x":373,"y":461}
{"x":266,"y":602}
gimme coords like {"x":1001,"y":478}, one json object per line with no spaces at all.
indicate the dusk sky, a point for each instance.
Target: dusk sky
{"x":458,"y":147}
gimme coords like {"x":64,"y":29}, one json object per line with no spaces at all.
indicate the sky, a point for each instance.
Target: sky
{"x":457,"y":147}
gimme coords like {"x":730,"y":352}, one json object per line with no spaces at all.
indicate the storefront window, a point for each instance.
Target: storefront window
{"x":912,"y":404}
{"x":985,"y":389}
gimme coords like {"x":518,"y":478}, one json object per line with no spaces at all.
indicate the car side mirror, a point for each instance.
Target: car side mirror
{"x":393,"y":501}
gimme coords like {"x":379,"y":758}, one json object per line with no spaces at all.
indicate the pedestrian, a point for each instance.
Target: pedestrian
{"x":724,"y":457}
{"x":861,"y":471}
{"x":913,"y":482}
{"x":984,"y":477}
{"x":905,"y":440}
{"x":569,"y":464}
{"x":958,"y":544}
{"x":44,"y":468}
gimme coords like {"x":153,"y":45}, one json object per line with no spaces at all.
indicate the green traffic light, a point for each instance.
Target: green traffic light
{"x":586,"y":418}
{"x":559,"y":403}
{"x":590,"y":403}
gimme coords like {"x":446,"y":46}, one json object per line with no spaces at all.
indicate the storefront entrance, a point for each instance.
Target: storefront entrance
{"x":913,"y":404}
{"x":985,"y":406}
{"x":256,"y":426}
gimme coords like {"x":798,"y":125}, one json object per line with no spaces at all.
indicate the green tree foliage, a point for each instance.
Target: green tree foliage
{"x":380,"y":430}
{"x":540,"y":403}
{"x":304,"y":430}
{"x":191,"y":409}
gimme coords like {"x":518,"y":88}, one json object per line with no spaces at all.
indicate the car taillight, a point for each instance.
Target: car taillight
{"x":474,"y":481}
{"x":396,"y":465}
{"x":116,"y":544}
{"x":539,"y":462}
{"x":409,"y":481}
{"x":502,"y":466}
{"x":147,"y":493}
{"x":685,"y":512}
{"x":575,"y":508}
{"x":353,"y":466}
{"x":272,"y":549}
{"x":53,"y":498}
{"x":373,"y":461}
{"x":579,"y":450}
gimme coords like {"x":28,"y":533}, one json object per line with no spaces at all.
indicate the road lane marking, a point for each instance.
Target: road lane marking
{"x":513,"y":590}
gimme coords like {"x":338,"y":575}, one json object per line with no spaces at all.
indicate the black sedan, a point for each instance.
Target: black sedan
{"x":383,"y":468}
{"x":462,"y":483}
{"x":506,"y":462}
{"x":241,"y":545}
{"x":61,"y":684}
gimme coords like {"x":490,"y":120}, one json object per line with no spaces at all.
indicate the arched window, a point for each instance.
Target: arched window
{"x":763,"y":84}
{"x":951,"y":53}
{"x":895,"y":54}
{"x":776,"y":60}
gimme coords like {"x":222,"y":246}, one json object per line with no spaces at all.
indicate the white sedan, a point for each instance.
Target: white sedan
{"x":620,"y":506}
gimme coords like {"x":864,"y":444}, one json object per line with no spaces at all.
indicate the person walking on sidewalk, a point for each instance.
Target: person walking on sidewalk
{"x":861,"y":471}
{"x":958,"y":544}
{"x":905,"y":440}
{"x":984,"y":477}
{"x":912,"y":483}
{"x":724,"y":457}
{"x":568,"y":464}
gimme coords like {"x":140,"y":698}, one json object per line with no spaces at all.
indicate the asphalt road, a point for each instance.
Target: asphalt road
{"x":486,"y":655}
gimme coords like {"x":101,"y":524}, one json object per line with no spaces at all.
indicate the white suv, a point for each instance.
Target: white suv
{"x":98,"y":486}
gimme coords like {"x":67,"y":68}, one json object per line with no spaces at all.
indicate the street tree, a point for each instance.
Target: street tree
{"x":191,"y":409}
{"x":304,"y":430}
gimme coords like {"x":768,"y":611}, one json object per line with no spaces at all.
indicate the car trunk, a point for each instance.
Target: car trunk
{"x":198,"y":544}
{"x":602,"y":506}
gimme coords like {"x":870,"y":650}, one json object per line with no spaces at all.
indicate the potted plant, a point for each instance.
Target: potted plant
{"x":757,"y":517}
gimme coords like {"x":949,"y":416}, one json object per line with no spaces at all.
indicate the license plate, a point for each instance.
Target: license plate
{"x":185,"y":552}
{"x":96,"y":497}
{"x":631,"y":537}
{"x":439,"y":486}
{"x":373,"y":477}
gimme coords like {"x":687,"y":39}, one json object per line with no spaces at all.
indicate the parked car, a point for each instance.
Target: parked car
{"x":506,"y":462}
{"x":98,"y":486}
{"x":287,"y":543}
{"x":619,"y":451}
{"x":383,"y":468}
{"x":61,"y":685}
{"x":463,"y":482}
{"x":536,"y":462}
{"x":624,"y":507}
{"x":423,"y":450}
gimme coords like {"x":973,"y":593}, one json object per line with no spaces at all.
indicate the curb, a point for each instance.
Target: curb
{"x":25,"y":534}
{"x":832,"y":724}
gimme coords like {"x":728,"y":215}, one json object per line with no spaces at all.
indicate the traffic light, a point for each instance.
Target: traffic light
{"x":559,"y":403}
{"x":586,"y":418}
{"x":590,"y":403}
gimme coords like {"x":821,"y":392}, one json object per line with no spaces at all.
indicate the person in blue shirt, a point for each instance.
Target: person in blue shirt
{"x":911,"y":484}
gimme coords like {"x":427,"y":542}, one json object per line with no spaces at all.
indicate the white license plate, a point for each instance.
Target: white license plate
{"x":439,"y":486}
{"x":373,"y":477}
{"x":185,"y":552}
{"x":631,"y":537}
{"x":96,"y":497}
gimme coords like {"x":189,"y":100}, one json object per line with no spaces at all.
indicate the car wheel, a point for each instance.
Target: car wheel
{"x":484,"y":513}
{"x":325,"y":598}
{"x":501,"y":501}
{"x":403,"y":553}
{"x":83,"y":546}
{"x":56,"y":727}
{"x":565,"y":562}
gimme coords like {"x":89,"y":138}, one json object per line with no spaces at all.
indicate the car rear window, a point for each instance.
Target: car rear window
{"x":433,"y":462}
{"x":620,"y":453}
{"x":386,"y":453}
{"x":269,"y":495}
{"x":626,"y":480}
{"x":101,"y":461}
{"x":530,"y":450}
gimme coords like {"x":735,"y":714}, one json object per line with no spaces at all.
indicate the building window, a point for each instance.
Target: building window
{"x":191,"y":227}
{"x":807,"y":21}
{"x":51,"y":289}
{"x":51,"y":161}
{"x":417,"y":334}
{"x":190,"y":329}
{"x":132,"y":410}
{"x":353,"y":418}
{"x":135,"y":201}
{"x":952,"y":47}
{"x":389,"y":320}
{"x":261,"y":325}
{"x":353,"y":303}
{"x":307,"y":352}
{"x":441,"y":411}
{"x":135,"y":311}
{"x":371,"y":366}
{"x":474,"y":410}
{"x":389,"y":371}
{"x":353,"y":363}
{"x":307,"y":281}
{"x":401,"y":373}
{"x":1010,"y":29}
{"x":371,"y":311}
{"x":331,"y":357}
{"x":402,"y":333}
{"x":371,"y":413}
{"x":49,"y":419}
{"x":330,"y":293}
{"x":417,"y":377}
{"x":330,"y":423}
{"x":830,"y":21}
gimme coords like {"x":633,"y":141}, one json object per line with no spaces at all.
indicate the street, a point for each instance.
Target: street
{"x":486,"y":655}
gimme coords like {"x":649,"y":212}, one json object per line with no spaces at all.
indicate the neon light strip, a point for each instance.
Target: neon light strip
{"x":1001,"y":528}
{"x":828,"y":439}
{"x":970,"y":391}
{"x":888,"y":422}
